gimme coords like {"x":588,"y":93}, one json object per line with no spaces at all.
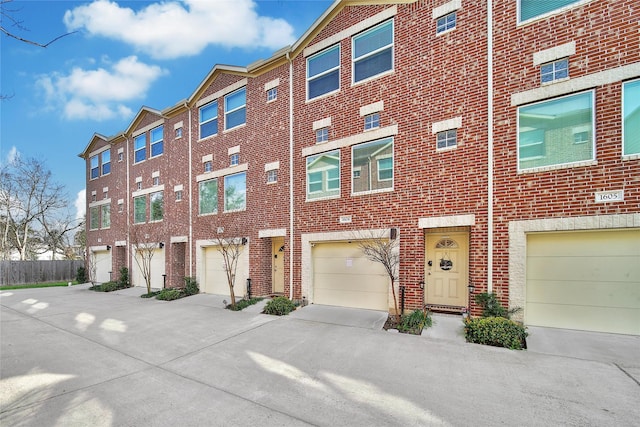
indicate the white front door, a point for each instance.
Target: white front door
{"x":447,"y":269}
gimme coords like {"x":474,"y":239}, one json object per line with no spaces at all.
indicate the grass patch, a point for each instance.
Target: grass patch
{"x":244,"y":303}
{"x":36,"y":285}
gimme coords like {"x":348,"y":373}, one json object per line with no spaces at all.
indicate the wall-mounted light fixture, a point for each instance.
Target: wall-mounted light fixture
{"x":161,"y":245}
{"x":471,"y":288}
{"x":244,"y":241}
{"x":393,"y":234}
{"x":108,"y":247}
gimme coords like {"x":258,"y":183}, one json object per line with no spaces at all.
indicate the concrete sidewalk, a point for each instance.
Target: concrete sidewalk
{"x":75,"y":357}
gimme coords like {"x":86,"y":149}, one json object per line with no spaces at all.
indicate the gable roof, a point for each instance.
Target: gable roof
{"x":94,"y":139}
{"x":138,"y":117}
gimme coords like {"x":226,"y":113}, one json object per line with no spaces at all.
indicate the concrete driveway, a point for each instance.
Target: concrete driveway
{"x":72,"y":357}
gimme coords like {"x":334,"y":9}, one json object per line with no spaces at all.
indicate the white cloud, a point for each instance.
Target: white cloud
{"x":80,"y":204}
{"x":99,"y":94}
{"x":12,"y":155}
{"x":174,"y":29}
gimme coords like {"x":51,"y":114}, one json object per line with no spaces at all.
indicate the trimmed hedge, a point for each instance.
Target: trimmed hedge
{"x":279,"y":306}
{"x":107,"y":287}
{"x":170,"y":294}
{"x":495,"y":331}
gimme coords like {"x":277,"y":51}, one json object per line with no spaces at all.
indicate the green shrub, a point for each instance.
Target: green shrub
{"x":150,"y":294}
{"x":123,"y":281}
{"x":495,"y":331}
{"x":105,"y":287}
{"x":191,"y":286}
{"x":491,"y":306}
{"x":81,"y":275}
{"x":244,"y":303}
{"x":170,"y":294}
{"x":279,"y":306}
{"x":415,"y":322}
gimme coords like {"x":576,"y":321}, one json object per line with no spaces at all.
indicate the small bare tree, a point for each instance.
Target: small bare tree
{"x":91,"y":268}
{"x":377,"y":246}
{"x":145,"y":244}
{"x":230,"y":248}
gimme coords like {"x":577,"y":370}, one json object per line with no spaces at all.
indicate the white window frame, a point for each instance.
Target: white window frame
{"x":380,"y":145}
{"x":200,"y":184}
{"x":272,"y":94}
{"x":372,"y":121}
{"x":208,"y":166}
{"x":272,"y":176}
{"x":106,"y":153}
{"x":228,"y":177}
{"x":234,"y":159}
{"x":450,"y":135}
{"x":178,"y":195}
{"x":309,"y":79}
{"x":94,"y":221}
{"x":136,"y":140}
{"x":560,"y":9}
{"x":624,"y":113}
{"x":443,"y":23}
{"x":236,"y":109}
{"x":106,"y":207}
{"x":201,"y":122}
{"x":555,"y":69}
{"x":157,"y":141}
{"x":135,"y":221}
{"x":160,"y":195}
{"x":322,"y":135}
{"x":324,"y":180}
{"x":355,"y":60}
{"x":94,"y":164}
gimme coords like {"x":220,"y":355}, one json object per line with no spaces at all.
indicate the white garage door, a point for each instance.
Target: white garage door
{"x":102,"y":260}
{"x":215,"y":275}
{"x":342,"y":276}
{"x":157,"y":270}
{"x":584,"y":280}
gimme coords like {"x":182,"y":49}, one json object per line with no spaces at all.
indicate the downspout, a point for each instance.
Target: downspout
{"x":128,"y":240}
{"x":291,"y":238}
{"x":191,"y":246}
{"x":490,"y":146}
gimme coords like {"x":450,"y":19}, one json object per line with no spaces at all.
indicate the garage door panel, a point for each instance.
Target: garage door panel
{"x":584,"y":243}
{"x":156,"y":268}
{"x":215,"y":281}
{"x":102,"y":260}
{"x":612,"y":294}
{"x":622,"y":321}
{"x":611,"y":268}
{"x":368,"y":300}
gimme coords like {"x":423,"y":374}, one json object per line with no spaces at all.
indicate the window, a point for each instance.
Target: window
{"x":530,"y":9}
{"x":139,"y":185}
{"x":553,"y":71}
{"x":446,"y":23}
{"x":272,"y":94}
{"x":105,"y":195}
{"x":631,"y":117}
{"x":156,"y":141}
{"x":139,"y":209}
{"x":156,"y":203}
{"x":323,"y":72}
{"x":373,"y":52}
{"x":95,"y":167}
{"x":235,"y":109}
{"x":546,"y":131}
{"x":140,"y":148}
{"x":120,"y":157}
{"x":106,"y":162}
{"x":323,"y":175}
{"x":208,"y":166}
{"x":372,"y":121}
{"x":178,"y":195}
{"x":94,"y":219}
{"x":209,"y":119}
{"x":93,"y":196}
{"x":120,"y":207}
{"x":178,"y":133}
{"x":234,"y":159}
{"x":235,"y":192}
{"x":106,"y":216}
{"x":322,"y":135}
{"x":272,"y":176}
{"x":208,"y":196}
{"x":447,"y":139}
{"x":372,"y":166}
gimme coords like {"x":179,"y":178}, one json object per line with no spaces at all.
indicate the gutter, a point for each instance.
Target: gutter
{"x":291,"y":237}
{"x":191,"y":246}
{"x":490,"y":146}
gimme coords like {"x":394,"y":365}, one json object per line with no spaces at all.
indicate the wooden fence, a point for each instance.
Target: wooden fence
{"x":23,"y":272}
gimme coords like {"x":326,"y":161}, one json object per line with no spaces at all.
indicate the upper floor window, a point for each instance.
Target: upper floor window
{"x":447,"y":139}
{"x":178,"y":133}
{"x":106,"y":162}
{"x":372,"y":166}
{"x":323,"y":175}
{"x":94,"y":218}
{"x":95,"y":167}
{"x":631,"y":117}
{"x":272,"y":176}
{"x":178,"y":195}
{"x":552,"y":71}
{"x":547,"y":131}
{"x":446,"y":23}
{"x":208,"y":166}
{"x":372,"y":121}
{"x":156,"y":141}
{"x":105,"y":216}
{"x":234,"y":159}
{"x":323,"y":72}
{"x":156,"y":180}
{"x":156,"y":206}
{"x":208,"y":196}
{"x":209,"y":119}
{"x":529,"y":9}
{"x":272,"y":94}
{"x":373,"y":52}
{"x":235,"y":109}
{"x":120,"y":157}
{"x":140,"y":148}
{"x":235,"y":192}
{"x":322,"y":135}
{"x":139,"y":209}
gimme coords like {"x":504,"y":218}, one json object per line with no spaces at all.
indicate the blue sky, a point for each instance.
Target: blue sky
{"x":123,"y":55}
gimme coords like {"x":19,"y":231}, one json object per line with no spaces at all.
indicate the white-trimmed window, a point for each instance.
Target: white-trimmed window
{"x":323,"y":175}
{"x":372,"y":121}
{"x":446,"y":23}
{"x":530,"y":9}
{"x":105,"y":216}
{"x":105,"y":157}
{"x":178,"y":132}
{"x":323,"y":72}
{"x":157,"y":147}
{"x":208,"y":196}
{"x":139,"y":209}
{"x":447,"y":139}
{"x":272,"y":94}
{"x":95,"y":167}
{"x":105,"y":195}
{"x":178,"y":195}
{"x":120,"y":207}
{"x":94,"y":218}
{"x":272,"y":176}
{"x":546,"y":131}
{"x":208,"y":119}
{"x":631,"y":117}
{"x":373,"y":52}
{"x":120,"y":157}
{"x":139,"y":185}
{"x":156,"y":180}
{"x":372,"y":166}
{"x":234,"y":159}
{"x":140,"y":148}
{"x":322,"y":135}
{"x":554,"y":71}
{"x":208,"y":166}
{"x":235,"y":192}
{"x":156,"y":205}
{"x":235,"y":109}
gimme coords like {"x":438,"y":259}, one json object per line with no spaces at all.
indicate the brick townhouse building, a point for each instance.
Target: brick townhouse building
{"x":497,"y":142}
